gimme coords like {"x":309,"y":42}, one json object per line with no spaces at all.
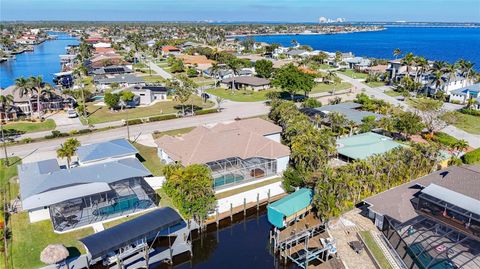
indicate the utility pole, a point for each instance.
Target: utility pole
{"x":4,"y":144}
{"x":83,"y":100}
{"x":128,"y":127}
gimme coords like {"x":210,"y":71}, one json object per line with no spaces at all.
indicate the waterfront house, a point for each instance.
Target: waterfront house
{"x":433,"y":220}
{"x":246,"y":82}
{"x":236,"y":152}
{"x":358,"y":63}
{"x":296,"y":53}
{"x":363,"y":146}
{"x":101,"y":60}
{"x":464,"y":94}
{"x":108,"y":183}
{"x":112,"y":70}
{"x":53,"y":101}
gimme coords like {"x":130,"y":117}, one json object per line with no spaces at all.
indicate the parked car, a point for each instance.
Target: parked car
{"x":72,"y":113}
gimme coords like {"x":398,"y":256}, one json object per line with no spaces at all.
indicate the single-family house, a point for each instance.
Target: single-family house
{"x":352,"y":112}
{"x":363,"y":146}
{"x":170,"y":50}
{"x":246,"y":82}
{"x":123,"y":80}
{"x":236,"y":152}
{"x":462,"y":95}
{"x":433,"y":220}
{"x":149,"y":93}
{"x":105,"y":152}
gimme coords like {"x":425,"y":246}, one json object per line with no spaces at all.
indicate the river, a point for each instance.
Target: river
{"x":44,"y":61}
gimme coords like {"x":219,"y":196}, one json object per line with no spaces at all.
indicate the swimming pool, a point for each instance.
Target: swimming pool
{"x":226,"y":179}
{"x":98,"y":97}
{"x":123,"y":204}
{"x":424,"y":259}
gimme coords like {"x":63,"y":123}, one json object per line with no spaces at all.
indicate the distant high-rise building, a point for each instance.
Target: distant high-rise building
{"x":322,"y":20}
{"x":340,"y":20}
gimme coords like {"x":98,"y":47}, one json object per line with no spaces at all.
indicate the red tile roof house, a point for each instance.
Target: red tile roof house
{"x":170,"y":50}
{"x":236,"y":152}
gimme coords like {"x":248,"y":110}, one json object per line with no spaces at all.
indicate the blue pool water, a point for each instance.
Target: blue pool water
{"x":44,"y":61}
{"x":447,"y":44}
{"x":226,"y":179}
{"x":122,"y":204}
{"x":424,"y":258}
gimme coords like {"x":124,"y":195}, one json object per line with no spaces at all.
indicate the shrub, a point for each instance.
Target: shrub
{"x":206,"y":111}
{"x":311,"y":103}
{"x":73,"y":132}
{"x":470,"y":111}
{"x":162,"y":117}
{"x":56,"y":134}
{"x":472,"y":157}
{"x":84,"y":131}
{"x":444,"y":139}
{"x":26,"y":140}
{"x":134,"y":122}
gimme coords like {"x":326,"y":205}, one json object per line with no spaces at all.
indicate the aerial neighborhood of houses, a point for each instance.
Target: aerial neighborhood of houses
{"x":148,"y":137}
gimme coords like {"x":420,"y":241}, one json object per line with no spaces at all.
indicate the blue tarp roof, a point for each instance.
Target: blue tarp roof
{"x":289,"y":206}
{"x":101,"y":243}
{"x":109,"y":149}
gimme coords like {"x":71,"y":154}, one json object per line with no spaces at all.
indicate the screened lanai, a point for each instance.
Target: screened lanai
{"x":235,"y":170}
{"x":125,"y":197}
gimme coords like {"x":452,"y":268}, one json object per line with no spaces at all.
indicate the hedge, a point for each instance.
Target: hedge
{"x":472,"y":157}
{"x":162,"y":117}
{"x":134,"y":121}
{"x":206,"y":111}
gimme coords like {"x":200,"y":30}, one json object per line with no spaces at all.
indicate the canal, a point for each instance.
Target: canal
{"x":242,"y":244}
{"x":44,"y":61}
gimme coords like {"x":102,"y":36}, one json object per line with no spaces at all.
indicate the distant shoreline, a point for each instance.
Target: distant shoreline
{"x":303,"y":33}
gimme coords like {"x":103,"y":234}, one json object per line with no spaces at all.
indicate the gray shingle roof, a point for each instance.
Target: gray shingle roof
{"x":248,"y":80}
{"x":38,"y":179}
{"x":124,"y":78}
{"x":349,"y":109}
{"x":109,"y":149}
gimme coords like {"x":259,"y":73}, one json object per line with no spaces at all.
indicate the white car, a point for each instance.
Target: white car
{"x":72,"y":113}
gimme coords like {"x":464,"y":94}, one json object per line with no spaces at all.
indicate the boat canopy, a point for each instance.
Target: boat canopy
{"x":291,"y":205}
{"x":101,"y":243}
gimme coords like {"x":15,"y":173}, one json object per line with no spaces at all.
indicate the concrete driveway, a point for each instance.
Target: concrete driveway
{"x":64,"y":123}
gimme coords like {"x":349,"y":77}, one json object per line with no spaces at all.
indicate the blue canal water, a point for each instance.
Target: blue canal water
{"x":241,"y":245}
{"x":446,"y":44}
{"x":44,"y":61}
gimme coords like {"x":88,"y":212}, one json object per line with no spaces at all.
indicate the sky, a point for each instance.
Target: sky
{"x":241,"y":10}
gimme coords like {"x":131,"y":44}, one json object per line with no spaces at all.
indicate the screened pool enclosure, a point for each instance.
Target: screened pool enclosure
{"x":125,"y":197}
{"x":235,"y":170}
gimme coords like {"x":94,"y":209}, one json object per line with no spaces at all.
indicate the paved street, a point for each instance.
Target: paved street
{"x":472,"y":139}
{"x":231,"y":110}
{"x":164,"y":74}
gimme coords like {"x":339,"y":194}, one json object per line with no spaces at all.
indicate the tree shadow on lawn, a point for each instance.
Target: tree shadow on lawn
{"x":73,"y":252}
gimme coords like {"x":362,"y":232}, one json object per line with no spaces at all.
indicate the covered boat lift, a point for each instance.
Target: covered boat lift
{"x":131,"y":244}
{"x":298,"y":236}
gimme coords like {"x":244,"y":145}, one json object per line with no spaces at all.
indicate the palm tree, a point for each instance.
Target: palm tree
{"x":294,"y":42}
{"x":214,"y":71}
{"x":466,"y":68}
{"x":397,"y":52}
{"x":459,"y":146}
{"x":23,"y":86}
{"x":39,"y":87}
{"x":235,"y":66}
{"x":437,"y":80}
{"x":422,"y":65}
{"x":451,"y":71}
{"x":67,"y":150}
{"x":408,"y":60}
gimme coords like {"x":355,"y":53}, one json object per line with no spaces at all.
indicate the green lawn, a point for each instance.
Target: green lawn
{"x":29,"y":239}
{"x":150,"y":159}
{"x":30,"y":127}
{"x":101,"y":114}
{"x":325,"y":66}
{"x":375,"y":84}
{"x":6,"y":173}
{"x":172,"y":132}
{"x":392,"y":93}
{"x":153,"y":79}
{"x":375,"y":249}
{"x":468,"y":123}
{"x":353,"y":74}
{"x":202,"y":81}
{"x":240,"y":95}
{"x":322,"y":87}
